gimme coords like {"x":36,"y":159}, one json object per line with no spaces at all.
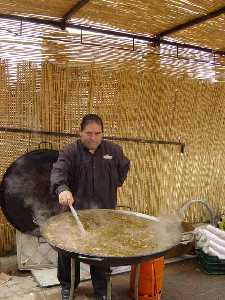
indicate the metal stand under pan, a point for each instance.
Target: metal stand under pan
{"x":109,"y":282}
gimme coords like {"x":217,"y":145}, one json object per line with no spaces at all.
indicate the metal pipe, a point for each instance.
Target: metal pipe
{"x":109,"y":285}
{"x":72,"y":282}
{"x":154,"y":40}
{"x":189,"y":203}
{"x":54,"y":23}
{"x":136,"y":281}
{"x":123,"y":139}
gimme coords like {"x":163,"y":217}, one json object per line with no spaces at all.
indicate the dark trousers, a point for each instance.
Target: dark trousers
{"x":98,"y":274}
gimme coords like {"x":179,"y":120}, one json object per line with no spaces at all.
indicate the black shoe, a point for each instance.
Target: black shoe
{"x":65,"y":292}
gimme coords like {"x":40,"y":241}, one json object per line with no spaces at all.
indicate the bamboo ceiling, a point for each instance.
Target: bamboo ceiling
{"x":135,"y":16}
{"x":210,"y":34}
{"x":23,"y":39}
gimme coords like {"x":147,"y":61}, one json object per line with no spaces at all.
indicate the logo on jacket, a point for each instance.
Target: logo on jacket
{"x":107,"y":156}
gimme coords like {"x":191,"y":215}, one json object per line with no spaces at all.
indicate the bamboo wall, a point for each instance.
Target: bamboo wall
{"x":145,"y":104}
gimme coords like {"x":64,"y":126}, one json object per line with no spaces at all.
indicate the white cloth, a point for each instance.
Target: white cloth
{"x":213,"y":252}
{"x":218,"y":232}
{"x":203,"y":236}
{"x":212,"y":245}
{"x":210,"y":240}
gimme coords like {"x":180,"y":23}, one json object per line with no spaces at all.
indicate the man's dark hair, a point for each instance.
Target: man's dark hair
{"x":90,"y":118}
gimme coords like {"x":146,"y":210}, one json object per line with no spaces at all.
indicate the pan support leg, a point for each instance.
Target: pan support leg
{"x":109,"y":285}
{"x":136,"y":281}
{"x":72,"y":284}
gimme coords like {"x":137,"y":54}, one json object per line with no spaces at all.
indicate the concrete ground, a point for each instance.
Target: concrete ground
{"x":182,"y":281}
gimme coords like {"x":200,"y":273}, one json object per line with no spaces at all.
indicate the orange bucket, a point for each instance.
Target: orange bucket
{"x":150,"y":279}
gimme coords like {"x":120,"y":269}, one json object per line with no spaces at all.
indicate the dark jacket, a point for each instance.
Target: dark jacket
{"x":92,"y":178}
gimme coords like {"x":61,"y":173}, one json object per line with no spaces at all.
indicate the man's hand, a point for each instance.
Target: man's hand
{"x":66,"y":198}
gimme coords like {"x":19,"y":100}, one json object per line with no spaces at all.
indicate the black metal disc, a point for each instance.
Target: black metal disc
{"x":26,"y":200}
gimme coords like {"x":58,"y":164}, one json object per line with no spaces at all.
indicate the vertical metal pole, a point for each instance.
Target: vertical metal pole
{"x":21,"y":27}
{"x":109,"y":286}
{"x":177,"y":52}
{"x":72,"y":280}
{"x":136,"y":281}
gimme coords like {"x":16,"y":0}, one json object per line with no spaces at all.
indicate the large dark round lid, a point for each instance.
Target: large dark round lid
{"x":26,"y":200}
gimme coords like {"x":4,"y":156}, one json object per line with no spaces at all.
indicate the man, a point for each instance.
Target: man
{"x":87,"y":175}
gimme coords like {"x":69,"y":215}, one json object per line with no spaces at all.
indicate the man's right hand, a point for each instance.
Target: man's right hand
{"x":66,"y":198}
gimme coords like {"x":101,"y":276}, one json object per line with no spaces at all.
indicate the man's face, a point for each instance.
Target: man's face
{"x":91,"y":136}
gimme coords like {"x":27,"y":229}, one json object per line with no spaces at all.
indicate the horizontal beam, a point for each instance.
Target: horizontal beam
{"x":193,"y":22}
{"x":112,"y":138}
{"x":154,"y":40}
{"x":74,"y":9}
{"x":31,"y":20}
